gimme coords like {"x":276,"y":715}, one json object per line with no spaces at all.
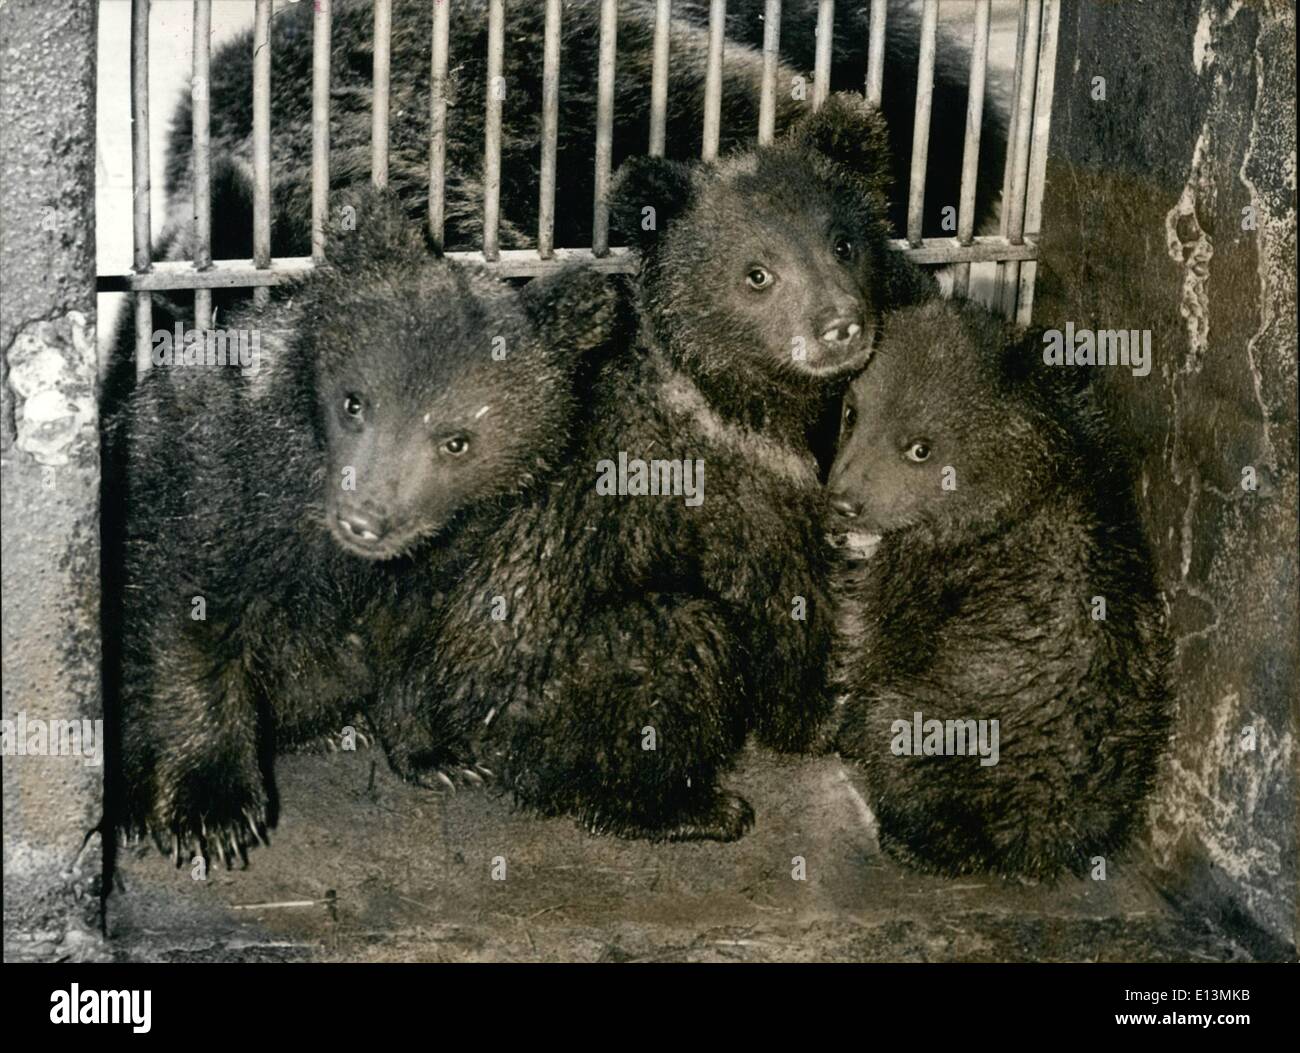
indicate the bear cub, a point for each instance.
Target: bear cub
{"x":1003,"y":651}
{"x":284,"y":535}
{"x":624,"y":631}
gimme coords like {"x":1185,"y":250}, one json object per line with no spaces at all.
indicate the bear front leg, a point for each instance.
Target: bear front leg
{"x":644,"y":710}
{"x":192,"y":745}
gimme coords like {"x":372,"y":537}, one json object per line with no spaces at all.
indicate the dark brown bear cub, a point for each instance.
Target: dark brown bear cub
{"x":1003,"y":651}
{"x":621,"y":633}
{"x":282,"y":538}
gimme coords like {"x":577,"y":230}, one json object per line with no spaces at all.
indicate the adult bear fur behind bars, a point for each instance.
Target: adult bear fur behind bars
{"x":982,"y":602}
{"x":351,"y":96}
{"x":232,"y":492}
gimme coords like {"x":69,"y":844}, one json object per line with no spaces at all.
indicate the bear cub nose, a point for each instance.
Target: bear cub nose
{"x":841,"y":330}
{"x":367,"y":529}
{"x":845,"y":507}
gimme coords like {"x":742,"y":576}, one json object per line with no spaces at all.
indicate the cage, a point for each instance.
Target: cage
{"x":1012,"y":249}
{"x":1148,"y":175}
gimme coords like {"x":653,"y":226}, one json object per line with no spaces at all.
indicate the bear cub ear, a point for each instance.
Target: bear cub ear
{"x":852,"y":133}
{"x":369,"y":224}
{"x":641,"y":183}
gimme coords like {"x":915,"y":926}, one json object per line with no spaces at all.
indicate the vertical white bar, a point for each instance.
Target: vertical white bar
{"x":201,"y":152}
{"x":492,"y":130}
{"x":379,"y":109}
{"x":713,"y":80}
{"x":438,"y":122}
{"x":771,"y":59}
{"x":604,"y":126}
{"x":1023,"y":118}
{"x":262,"y":142}
{"x":550,"y":130}
{"x":876,"y":52}
{"x":1021,"y":20}
{"x":822,"y":55}
{"x":140,"y":188}
{"x":1013,"y":207}
{"x":971,"y":150}
{"x":1038,"y":157}
{"x":659,"y":79}
{"x":320,"y":127}
{"x":921,"y":123}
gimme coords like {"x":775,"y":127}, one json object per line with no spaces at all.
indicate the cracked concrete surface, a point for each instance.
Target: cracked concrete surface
{"x":393,"y":873}
{"x":49,"y":465}
{"x":1171,"y":206}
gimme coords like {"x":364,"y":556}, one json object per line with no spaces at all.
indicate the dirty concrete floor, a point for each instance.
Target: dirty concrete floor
{"x":401,"y":874}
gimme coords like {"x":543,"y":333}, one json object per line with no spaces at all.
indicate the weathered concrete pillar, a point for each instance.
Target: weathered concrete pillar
{"x":1171,"y":206}
{"x":49,"y":446}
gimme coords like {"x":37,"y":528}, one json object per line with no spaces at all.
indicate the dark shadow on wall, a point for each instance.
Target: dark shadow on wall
{"x":1170,"y":206}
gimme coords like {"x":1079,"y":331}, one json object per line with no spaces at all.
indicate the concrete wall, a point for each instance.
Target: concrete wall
{"x":1171,"y":207}
{"x":49,"y":467}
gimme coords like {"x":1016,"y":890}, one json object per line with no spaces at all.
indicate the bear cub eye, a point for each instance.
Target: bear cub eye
{"x":843,"y":249}
{"x":353,"y":406}
{"x":919,"y":451}
{"x":759,"y":278}
{"x":850,"y":417}
{"x":456,"y":445}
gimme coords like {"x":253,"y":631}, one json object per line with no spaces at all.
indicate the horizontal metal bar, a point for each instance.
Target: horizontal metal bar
{"x":514,"y":263}
{"x":168,"y":275}
{"x":991,"y":249}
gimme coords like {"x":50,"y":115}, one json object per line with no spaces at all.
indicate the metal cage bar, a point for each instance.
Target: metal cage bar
{"x":979,"y":57}
{"x":140,"y":182}
{"x":438,"y":121}
{"x":659,"y":80}
{"x":771,"y":59}
{"x":513,"y":263}
{"x":822,"y":53}
{"x":876,"y":52}
{"x":262,"y":140}
{"x":713,"y":80}
{"x":921,"y":123}
{"x":550,"y":131}
{"x":320,"y":127}
{"x":495,"y":88}
{"x":1038,"y":154}
{"x":604,"y":127}
{"x":1014,"y":249}
{"x":379,"y":109}
{"x":1013,"y":205}
{"x":199,"y":144}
